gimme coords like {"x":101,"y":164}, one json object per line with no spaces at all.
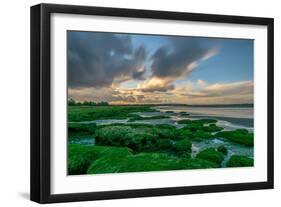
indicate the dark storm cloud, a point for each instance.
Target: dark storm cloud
{"x":173,"y":60}
{"x":99,"y":59}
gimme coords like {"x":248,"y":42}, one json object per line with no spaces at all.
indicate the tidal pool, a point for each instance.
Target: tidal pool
{"x":232,"y":148}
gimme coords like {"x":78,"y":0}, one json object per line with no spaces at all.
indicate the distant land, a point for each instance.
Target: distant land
{"x":197,"y":105}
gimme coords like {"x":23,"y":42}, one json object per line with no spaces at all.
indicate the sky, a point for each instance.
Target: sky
{"x":156,"y":69}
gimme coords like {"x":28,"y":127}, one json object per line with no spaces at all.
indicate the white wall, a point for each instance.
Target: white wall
{"x":14,"y":109}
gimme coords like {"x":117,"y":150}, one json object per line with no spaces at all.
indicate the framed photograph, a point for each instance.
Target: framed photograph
{"x":133,"y":103}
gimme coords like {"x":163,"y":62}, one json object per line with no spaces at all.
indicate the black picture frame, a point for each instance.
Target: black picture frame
{"x":41,"y":96}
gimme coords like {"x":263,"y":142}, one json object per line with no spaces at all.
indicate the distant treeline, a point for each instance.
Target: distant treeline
{"x":189,"y":105}
{"x":72,"y":102}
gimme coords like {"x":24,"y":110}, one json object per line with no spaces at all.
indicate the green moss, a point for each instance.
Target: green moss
{"x":240,"y":136}
{"x":184,"y":114}
{"x":187,"y":132}
{"x":240,"y":161}
{"x":81,"y":156}
{"x":138,"y":138}
{"x":197,"y":163}
{"x":84,"y":159}
{"x":144,"y":162}
{"x":184,"y":133}
{"x":202,"y":135}
{"x":135,"y":163}
{"x":194,"y":127}
{"x":182,"y":148}
{"x":82,"y":128}
{"x":132,"y":125}
{"x":207,"y":121}
{"x":222,"y":149}
{"x":185,"y":121}
{"x":165,"y":144}
{"x":198,"y":121}
{"x":89,"y":113}
{"x":212,"y":128}
{"x":165,"y":133}
{"x":164,"y":126}
{"x":79,"y":131}
{"x":199,"y":127}
{"x":139,"y":118}
{"x":212,"y":155}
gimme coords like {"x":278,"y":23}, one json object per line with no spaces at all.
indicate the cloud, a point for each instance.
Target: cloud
{"x":100,"y":59}
{"x":158,"y":88}
{"x":156,"y":84}
{"x":222,"y":89}
{"x":218,"y":93}
{"x":176,"y":61}
{"x":180,"y":57}
{"x":201,"y":83}
{"x":101,"y":94}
